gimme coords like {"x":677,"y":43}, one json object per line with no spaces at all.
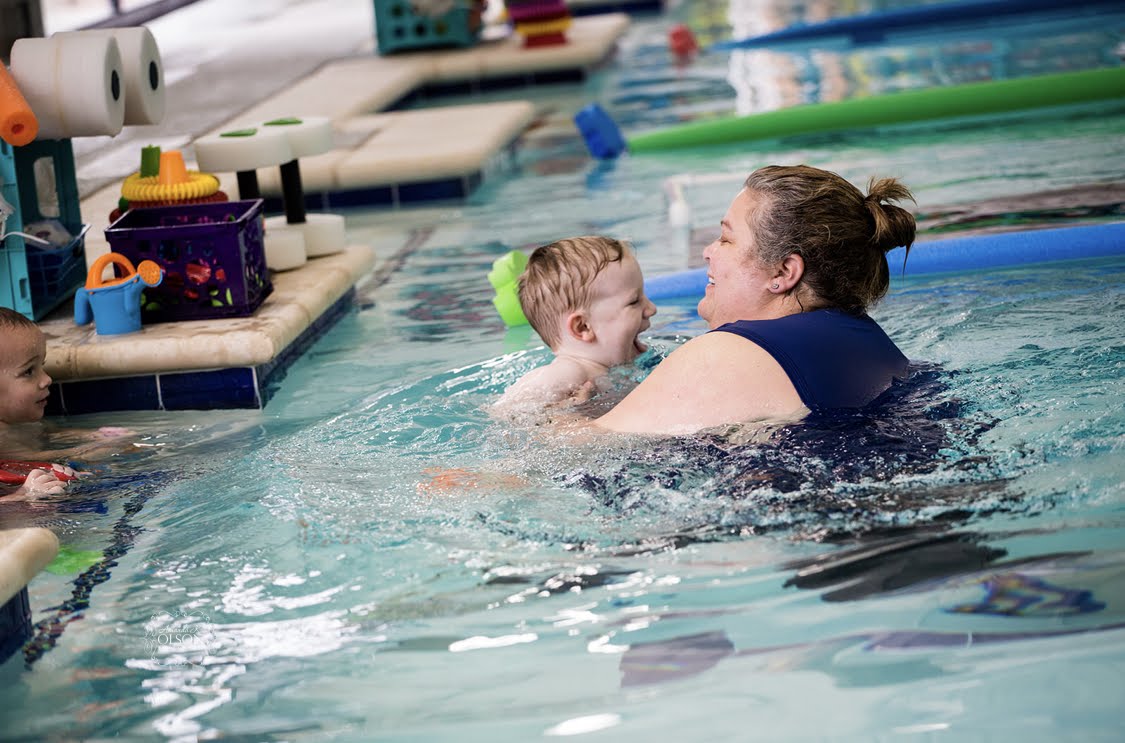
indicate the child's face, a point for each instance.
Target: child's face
{"x":23,"y":382}
{"x":619,"y":311}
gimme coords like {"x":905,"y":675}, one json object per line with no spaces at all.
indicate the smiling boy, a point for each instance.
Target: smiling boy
{"x":585,"y":298}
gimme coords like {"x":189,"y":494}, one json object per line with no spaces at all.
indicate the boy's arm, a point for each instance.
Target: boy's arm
{"x":38,"y":482}
{"x":83,"y":445}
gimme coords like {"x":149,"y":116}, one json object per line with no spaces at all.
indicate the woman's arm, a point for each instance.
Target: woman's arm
{"x":712,"y":380}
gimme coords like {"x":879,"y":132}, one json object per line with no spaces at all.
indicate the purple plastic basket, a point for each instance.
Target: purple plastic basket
{"x":212,"y":254}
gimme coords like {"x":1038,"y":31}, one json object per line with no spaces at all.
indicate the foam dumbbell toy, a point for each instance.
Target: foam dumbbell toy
{"x":242,"y":151}
{"x":308,"y":136}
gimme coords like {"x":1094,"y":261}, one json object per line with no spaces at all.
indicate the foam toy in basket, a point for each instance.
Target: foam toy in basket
{"x":115,"y":305}
{"x":505,"y":279}
{"x":163,"y":180}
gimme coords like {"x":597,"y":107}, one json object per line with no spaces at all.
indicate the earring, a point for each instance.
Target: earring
{"x":775,"y":286}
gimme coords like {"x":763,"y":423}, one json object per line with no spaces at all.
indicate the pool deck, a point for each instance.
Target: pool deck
{"x":381,"y":157}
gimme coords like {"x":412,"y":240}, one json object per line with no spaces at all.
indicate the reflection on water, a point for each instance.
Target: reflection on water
{"x":749,"y":81}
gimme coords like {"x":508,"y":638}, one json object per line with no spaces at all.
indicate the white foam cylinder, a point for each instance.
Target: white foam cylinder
{"x":308,"y":135}
{"x":73,"y":83}
{"x":284,"y":246}
{"x":324,"y":234}
{"x":233,"y":151}
{"x":143,"y":73}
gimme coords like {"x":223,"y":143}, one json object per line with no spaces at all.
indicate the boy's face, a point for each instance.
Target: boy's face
{"x":23,"y":382}
{"x":619,"y":311}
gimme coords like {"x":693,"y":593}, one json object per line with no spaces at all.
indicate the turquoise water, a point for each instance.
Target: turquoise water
{"x":948,"y":564}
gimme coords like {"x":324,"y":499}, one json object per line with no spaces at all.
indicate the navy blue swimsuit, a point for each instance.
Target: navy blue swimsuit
{"x":833,"y":359}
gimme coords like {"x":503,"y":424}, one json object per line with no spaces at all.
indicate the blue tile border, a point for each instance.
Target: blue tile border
{"x":443,"y":189}
{"x":80,"y":396}
{"x":210,"y":389}
{"x":216,"y":389}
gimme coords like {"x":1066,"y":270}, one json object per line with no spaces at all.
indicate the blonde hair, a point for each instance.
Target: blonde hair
{"x":558,"y":277}
{"x":842,"y":234}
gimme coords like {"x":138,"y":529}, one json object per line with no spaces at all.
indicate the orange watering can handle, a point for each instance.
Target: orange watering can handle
{"x":94,"y":277}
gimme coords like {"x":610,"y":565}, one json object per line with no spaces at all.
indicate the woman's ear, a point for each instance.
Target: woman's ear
{"x":788,"y":275}
{"x":578,"y":327}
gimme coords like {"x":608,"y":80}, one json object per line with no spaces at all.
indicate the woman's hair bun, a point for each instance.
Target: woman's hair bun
{"x":892,"y":226}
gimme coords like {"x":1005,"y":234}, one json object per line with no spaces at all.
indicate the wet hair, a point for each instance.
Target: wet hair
{"x":558,"y":277}
{"x":11,"y":320}
{"x":842,"y":234}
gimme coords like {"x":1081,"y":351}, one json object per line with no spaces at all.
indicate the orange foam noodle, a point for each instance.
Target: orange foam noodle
{"x":18,"y":125}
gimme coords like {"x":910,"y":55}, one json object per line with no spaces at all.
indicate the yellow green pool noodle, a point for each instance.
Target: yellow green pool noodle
{"x":970,"y":99}
{"x":70,"y":560}
{"x":504,"y":277}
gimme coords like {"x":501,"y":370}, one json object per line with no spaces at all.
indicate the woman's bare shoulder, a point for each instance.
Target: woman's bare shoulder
{"x":713,"y":379}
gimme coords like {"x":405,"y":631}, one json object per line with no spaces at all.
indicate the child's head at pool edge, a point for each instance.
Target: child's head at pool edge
{"x":23,"y":380}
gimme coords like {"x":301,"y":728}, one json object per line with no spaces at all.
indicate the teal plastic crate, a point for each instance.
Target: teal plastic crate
{"x":35,"y":280}
{"x":399,"y":28}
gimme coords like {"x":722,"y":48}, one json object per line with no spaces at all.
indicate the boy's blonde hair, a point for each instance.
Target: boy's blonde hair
{"x":10,"y":319}
{"x":558,"y":277}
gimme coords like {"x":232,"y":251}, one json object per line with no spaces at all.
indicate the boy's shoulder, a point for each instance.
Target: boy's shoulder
{"x":545,"y":385}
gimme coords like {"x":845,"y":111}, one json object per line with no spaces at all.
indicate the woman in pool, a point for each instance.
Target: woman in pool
{"x":800,"y":259}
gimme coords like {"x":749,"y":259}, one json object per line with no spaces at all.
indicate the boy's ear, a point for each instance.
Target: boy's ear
{"x":578,"y":327}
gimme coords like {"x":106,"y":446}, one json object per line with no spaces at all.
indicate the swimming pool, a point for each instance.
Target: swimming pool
{"x":950,"y":564}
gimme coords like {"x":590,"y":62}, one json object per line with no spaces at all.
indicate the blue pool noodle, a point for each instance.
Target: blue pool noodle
{"x":954,"y":254}
{"x":874,"y":27}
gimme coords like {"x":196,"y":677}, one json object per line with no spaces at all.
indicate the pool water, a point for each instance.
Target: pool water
{"x":372,"y":558}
